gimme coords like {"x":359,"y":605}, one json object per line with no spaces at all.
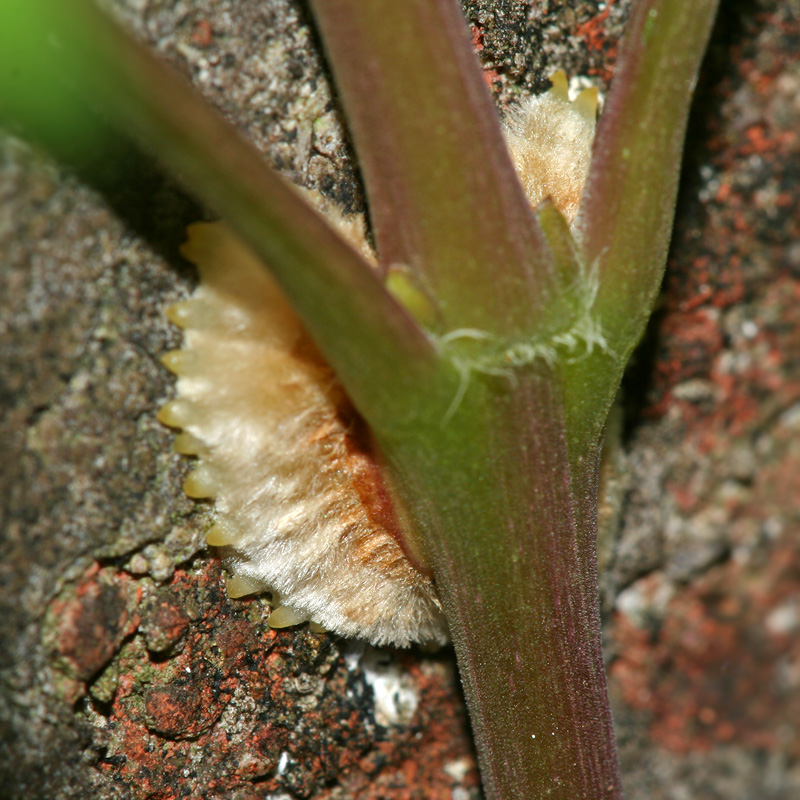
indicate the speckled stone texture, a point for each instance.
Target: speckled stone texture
{"x":126,"y":671}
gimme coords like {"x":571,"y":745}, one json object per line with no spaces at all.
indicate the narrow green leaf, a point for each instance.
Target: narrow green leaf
{"x":444,"y":198}
{"x":373,"y":343}
{"x":629,"y":199}
{"x":562,"y":244}
{"x":32,"y":103}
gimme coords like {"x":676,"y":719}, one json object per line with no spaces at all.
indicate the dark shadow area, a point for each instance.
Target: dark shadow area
{"x":131,"y":181}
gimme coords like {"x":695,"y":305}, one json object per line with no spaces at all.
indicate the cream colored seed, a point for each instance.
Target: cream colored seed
{"x":181,"y":314}
{"x":188,"y":445}
{"x":179,"y":362}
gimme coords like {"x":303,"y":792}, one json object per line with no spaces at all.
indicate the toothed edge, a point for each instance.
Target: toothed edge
{"x":237,"y":313}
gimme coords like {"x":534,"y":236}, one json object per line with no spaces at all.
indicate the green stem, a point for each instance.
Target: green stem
{"x":498,"y":472}
{"x":443,"y":195}
{"x":509,"y":528}
{"x":629,"y":199}
{"x":363,"y":331}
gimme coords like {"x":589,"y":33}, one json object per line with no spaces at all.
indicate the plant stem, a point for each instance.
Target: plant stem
{"x":498,"y":473}
{"x":443,"y":195}
{"x":629,"y":199}
{"x":362,"y":330}
{"x":509,"y":529}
